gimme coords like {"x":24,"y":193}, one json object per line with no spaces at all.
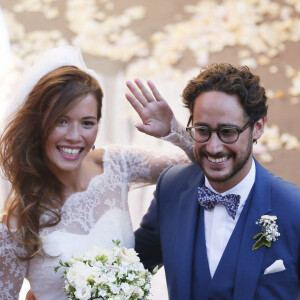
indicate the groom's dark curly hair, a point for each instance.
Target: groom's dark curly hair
{"x":233,"y":81}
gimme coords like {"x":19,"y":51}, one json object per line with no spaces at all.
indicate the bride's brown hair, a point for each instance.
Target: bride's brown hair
{"x":35,"y":190}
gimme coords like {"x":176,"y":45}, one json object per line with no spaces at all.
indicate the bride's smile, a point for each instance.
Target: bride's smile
{"x":73,"y":136}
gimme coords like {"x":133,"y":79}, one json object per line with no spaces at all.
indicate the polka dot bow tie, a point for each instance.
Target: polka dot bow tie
{"x":208,"y":199}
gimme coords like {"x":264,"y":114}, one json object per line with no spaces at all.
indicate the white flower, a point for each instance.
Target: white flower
{"x":129,"y":255}
{"x":141,"y":282}
{"x":115,"y":288}
{"x":269,"y":231}
{"x":78,"y":273}
{"x":83,"y":293}
{"x":119,"y":297}
{"x":131,"y":277}
{"x":102,"y":293}
{"x":125,"y":287}
{"x":111,"y":274}
{"x":267,"y":217}
{"x":139,"y":291}
{"x":269,"y":227}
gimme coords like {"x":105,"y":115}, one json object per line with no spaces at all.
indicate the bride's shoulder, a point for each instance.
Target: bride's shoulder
{"x":2,"y":216}
{"x":97,"y":155}
{"x":13,"y":221}
{"x":112,"y":152}
{"x":107,"y":152}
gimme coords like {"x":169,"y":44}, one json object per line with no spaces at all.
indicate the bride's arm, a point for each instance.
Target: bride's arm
{"x":12,"y":269}
{"x":157,"y":117}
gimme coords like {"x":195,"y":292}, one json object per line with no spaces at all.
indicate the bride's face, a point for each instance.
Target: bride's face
{"x":73,"y":136}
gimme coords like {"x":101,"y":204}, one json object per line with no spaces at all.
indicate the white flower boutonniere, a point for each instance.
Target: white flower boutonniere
{"x":269,"y":231}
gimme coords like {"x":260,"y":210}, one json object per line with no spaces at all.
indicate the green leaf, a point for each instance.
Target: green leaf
{"x":155,"y":270}
{"x":117,"y":242}
{"x":257,"y":235}
{"x":56,"y":269}
{"x":268,"y":243}
{"x":262,"y":241}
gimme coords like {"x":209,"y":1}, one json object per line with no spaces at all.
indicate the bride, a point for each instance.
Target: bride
{"x":65,"y":196}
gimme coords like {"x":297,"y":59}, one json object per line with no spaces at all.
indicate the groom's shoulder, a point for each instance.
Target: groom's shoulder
{"x":283,"y":193}
{"x":278,"y":185}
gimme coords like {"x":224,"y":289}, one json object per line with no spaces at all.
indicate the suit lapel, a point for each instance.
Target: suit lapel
{"x":250,"y":261}
{"x":185,"y":238}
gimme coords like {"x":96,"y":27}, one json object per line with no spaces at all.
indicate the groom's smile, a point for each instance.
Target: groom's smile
{"x":224,"y":164}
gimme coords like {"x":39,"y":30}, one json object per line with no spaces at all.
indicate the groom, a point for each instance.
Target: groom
{"x":204,"y":215}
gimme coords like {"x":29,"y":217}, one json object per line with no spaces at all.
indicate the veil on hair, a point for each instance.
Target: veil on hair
{"x":44,"y":63}
{"x":5,"y":54}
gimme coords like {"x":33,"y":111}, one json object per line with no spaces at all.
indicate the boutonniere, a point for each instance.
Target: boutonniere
{"x":269,"y":231}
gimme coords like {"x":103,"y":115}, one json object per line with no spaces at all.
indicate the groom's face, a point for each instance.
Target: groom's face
{"x":225,"y":165}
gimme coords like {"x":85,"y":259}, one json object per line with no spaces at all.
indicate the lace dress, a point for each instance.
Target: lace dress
{"x":92,"y":217}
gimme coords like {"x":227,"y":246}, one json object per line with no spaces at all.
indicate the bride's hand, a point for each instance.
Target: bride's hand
{"x":153,"y":110}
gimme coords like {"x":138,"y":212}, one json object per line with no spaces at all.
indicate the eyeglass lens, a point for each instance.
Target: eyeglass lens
{"x":203,"y":133}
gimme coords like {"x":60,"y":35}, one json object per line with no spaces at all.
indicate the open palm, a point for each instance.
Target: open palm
{"x":153,"y":110}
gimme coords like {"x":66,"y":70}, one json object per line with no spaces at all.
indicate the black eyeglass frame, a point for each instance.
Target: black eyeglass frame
{"x":217,"y":130}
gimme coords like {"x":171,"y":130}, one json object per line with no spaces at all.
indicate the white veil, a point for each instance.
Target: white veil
{"x":44,"y":63}
{"x":5,"y":46}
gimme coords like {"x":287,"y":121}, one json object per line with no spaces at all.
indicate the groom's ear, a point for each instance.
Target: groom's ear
{"x":258,"y":128}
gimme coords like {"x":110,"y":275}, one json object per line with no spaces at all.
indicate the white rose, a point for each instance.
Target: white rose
{"x":108,"y":254}
{"x":83,"y":293}
{"x":129,"y":255}
{"x":141,"y":282}
{"x":79,"y":274}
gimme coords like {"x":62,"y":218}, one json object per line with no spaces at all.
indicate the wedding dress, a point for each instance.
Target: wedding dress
{"x":95,"y":216}
{"x":92,"y":217}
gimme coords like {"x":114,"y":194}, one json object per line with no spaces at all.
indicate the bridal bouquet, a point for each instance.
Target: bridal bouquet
{"x":99,"y":273}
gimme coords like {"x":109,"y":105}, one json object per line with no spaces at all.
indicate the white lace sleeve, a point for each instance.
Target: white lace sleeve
{"x":12,"y":269}
{"x":143,"y":167}
{"x":181,"y":138}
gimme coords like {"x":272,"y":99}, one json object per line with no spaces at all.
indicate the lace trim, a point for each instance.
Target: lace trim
{"x":12,"y":271}
{"x":180,"y":137}
{"x":123,"y":166}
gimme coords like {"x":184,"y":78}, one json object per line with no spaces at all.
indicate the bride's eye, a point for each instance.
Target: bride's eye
{"x":62,"y":122}
{"x":88,"y":123}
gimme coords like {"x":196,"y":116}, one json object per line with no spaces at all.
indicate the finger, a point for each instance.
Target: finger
{"x":143,"y":128}
{"x":134,"y":103}
{"x":144,"y":90}
{"x":137,"y":94}
{"x":155,"y":91}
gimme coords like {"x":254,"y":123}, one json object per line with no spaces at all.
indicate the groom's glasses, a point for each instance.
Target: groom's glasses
{"x":227,"y":134}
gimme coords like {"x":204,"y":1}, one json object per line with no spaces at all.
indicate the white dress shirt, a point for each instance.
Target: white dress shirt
{"x":219,"y":225}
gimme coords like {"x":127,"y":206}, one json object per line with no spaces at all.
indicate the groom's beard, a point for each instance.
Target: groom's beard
{"x":223,"y":174}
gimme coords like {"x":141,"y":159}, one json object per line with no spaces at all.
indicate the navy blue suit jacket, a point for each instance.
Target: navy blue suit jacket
{"x":167,"y":235}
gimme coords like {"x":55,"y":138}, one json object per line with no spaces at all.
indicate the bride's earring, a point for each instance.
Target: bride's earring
{"x":93,"y":148}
